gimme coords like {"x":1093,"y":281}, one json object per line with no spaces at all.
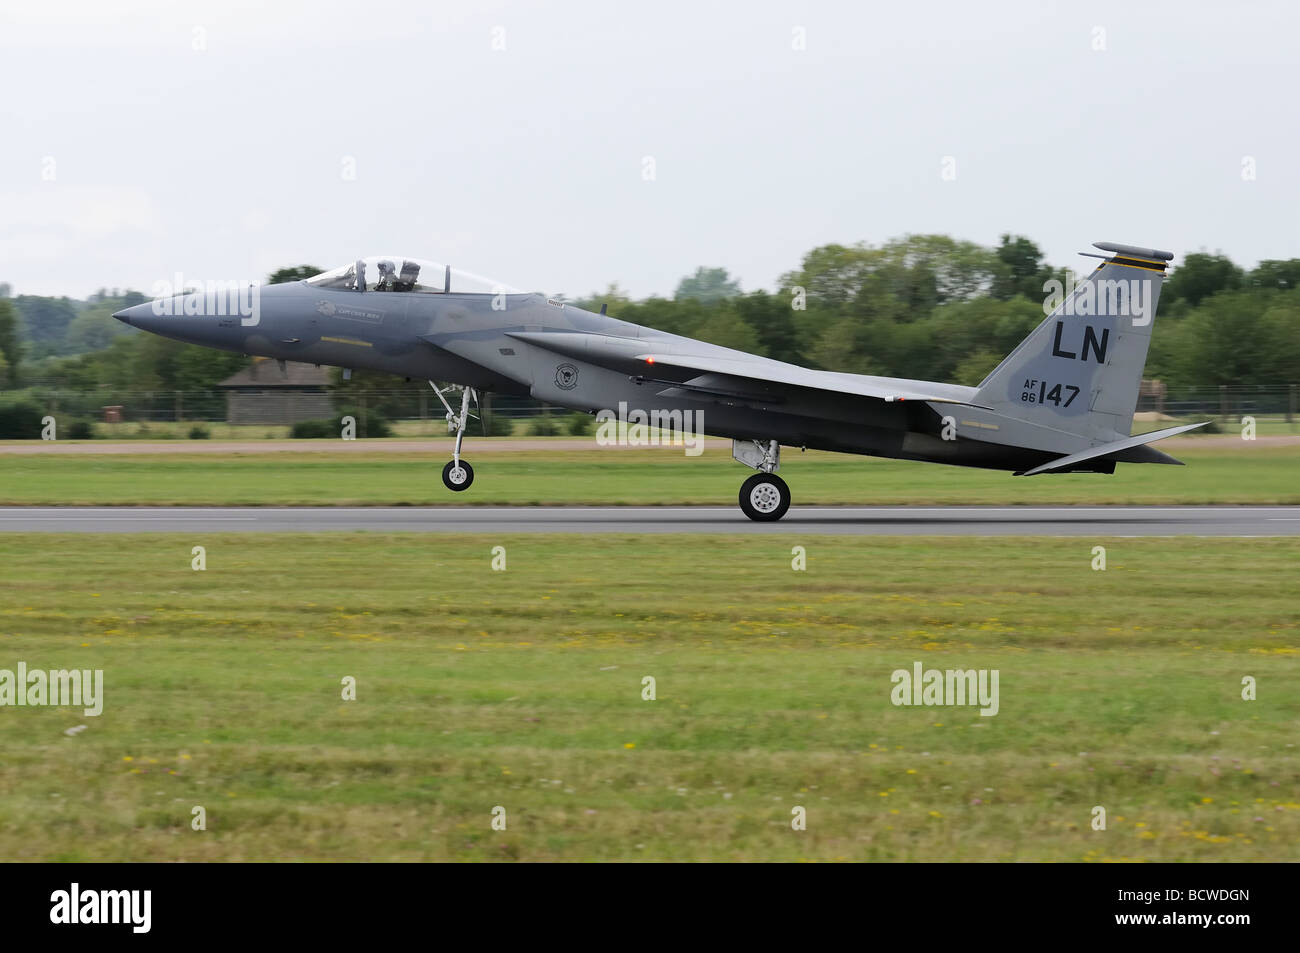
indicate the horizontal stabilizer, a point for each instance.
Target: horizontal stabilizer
{"x":1106,"y":449}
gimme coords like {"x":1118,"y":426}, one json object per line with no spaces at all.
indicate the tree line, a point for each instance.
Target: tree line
{"x":921,"y":306}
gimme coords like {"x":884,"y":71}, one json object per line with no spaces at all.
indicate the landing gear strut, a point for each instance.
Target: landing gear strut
{"x":457,"y":474}
{"x":764,"y":497}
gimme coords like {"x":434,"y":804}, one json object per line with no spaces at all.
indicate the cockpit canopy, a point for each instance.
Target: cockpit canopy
{"x":399,"y":273}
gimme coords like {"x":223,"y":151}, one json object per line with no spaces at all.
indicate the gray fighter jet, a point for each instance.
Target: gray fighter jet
{"x":1061,"y":402}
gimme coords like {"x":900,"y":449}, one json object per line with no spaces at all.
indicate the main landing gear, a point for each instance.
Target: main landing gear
{"x":764,"y":497}
{"x":457,"y":475}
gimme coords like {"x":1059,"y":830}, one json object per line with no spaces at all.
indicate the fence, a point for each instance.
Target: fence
{"x":1222,"y":402}
{"x":270,"y":406}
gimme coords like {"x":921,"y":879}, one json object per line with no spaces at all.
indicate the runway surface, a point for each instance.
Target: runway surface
{"x":864,"y":521}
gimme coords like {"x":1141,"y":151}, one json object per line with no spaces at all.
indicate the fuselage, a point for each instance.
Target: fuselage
{"x":529,"y":344}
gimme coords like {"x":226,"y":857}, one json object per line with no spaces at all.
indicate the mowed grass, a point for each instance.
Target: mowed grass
{"x":522,"y":689}
{"x":1253,"y":474}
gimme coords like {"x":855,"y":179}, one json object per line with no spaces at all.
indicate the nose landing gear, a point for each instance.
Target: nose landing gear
{"x":457,"y":475}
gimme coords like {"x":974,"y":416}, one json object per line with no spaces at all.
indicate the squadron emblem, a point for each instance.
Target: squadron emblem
{"x":566,"y":376}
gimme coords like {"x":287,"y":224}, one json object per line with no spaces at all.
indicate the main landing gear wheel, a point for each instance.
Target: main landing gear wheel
{"x":764,"y":497}
{"x":457,"y":476}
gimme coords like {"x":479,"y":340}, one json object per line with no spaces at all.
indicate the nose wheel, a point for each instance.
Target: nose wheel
{"x":457,"y":476}
{"x":764,"y":497}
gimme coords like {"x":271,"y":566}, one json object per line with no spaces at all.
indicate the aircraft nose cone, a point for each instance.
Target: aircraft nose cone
{"x":136,"y":316}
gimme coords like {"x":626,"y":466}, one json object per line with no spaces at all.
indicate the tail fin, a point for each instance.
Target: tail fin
{"x":1080,"y":370}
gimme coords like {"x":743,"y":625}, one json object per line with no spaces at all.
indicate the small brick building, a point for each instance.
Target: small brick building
{"x":1151,"y":396}
{"x":263,"y":394}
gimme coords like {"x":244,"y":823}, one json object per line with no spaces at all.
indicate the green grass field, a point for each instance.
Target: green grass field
{"x":1260,"y":474}
{"x":523,"y":689}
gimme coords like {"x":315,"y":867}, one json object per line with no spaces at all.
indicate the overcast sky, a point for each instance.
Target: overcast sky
{"x":220,"y":139}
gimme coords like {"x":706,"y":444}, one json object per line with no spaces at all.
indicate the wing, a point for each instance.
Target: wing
{"x":767,"y":371}
{"x":732,"y":373}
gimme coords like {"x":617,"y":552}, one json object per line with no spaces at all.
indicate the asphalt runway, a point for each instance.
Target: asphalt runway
{"x":858,"y":520}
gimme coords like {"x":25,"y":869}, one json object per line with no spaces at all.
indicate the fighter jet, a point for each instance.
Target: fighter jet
{"x":1061,"y":402}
